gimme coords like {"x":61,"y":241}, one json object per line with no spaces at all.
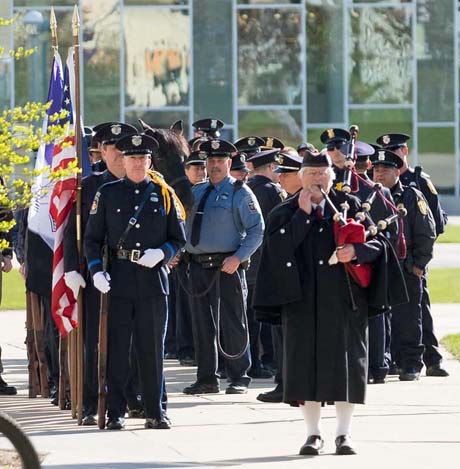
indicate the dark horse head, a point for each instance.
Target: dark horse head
{"x":169,"y":161}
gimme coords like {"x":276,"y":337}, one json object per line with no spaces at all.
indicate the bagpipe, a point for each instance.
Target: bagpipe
{"x":358,"y":230}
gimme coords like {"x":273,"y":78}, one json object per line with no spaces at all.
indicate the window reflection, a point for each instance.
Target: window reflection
{"x":157,"y":47}
{"x":101,"y":54}
{"x":380,"y":62}
{"x":325,"y":86}
{"x":282,"y":123}
{"x":269,"y":62}
{"x":436,"y":152}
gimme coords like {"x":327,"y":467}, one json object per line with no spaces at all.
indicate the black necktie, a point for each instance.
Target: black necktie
{"x":319,"y":212}
{"x":196,"y":226}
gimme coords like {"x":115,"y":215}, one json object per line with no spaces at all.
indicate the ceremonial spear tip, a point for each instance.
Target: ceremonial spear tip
{"x":75,"y":21}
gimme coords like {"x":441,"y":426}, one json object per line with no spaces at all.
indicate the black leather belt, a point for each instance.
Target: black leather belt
{"x":132,"y":255}
{"x":208,"y":261}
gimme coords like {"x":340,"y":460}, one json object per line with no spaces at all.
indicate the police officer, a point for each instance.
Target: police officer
{"x":415,"y":177}
{"x":419,"y":233}
{"x":143,"y":232}
{"x":223,"y":231}
{"x":238,"y":169}
{"x":249,"y":146}
{"x":195,"y":167}
{"x":380,"y":324}
{"x":208,"y":127}
{"x":107,"y":135}
{"x":336,"y":141}
{"x":289,"y":164}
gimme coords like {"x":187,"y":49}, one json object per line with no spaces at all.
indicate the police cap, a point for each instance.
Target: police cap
{"x":306,"y":146}
{"x":363,"y":150}
{"x":316,"y":159}
{"x":196,"y":158}
{"x":249,"y":144}
{"x":239,"y":162}
{"x":264,"y":157}
{"x":393,"y":141}
{"x":216,"y":148}
{"x":208,"y":127}
{"x":335,"y":136}
{"x":272,"y":142}
{"x":111,"y":133}
{"x":386,"y":158}
{"x":289,"y":161}
{"x":137,"y":145}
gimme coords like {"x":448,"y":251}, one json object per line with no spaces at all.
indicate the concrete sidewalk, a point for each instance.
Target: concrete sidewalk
{"x":409,"y":425}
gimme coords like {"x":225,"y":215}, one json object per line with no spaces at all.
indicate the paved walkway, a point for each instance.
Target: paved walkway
{"x":408,"y":425}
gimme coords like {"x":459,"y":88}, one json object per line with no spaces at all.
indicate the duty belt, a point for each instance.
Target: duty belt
{"x":208,"y":261}
{"x":132,"y":255}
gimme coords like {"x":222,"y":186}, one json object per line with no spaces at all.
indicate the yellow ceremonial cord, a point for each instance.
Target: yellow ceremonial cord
{"x":167,"y":191}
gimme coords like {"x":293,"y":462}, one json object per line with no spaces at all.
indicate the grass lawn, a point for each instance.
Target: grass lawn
{"x":443,"y":285}
{"x":451,"y":235}
{"x":452,"y":344}
{"x":13,"y":296}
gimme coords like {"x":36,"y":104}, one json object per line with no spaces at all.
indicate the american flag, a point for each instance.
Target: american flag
{"x":63,"y":303}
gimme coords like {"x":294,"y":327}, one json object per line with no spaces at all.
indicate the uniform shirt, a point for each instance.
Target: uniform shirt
{"x":232,"y":220}
{"x":114,"y":205}
{"x":426,"y":187}
{"x":89,"y":187}
{"x":419,"y":226}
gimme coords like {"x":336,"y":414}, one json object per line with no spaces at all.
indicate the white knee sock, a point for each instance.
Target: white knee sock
{"x":311,"y":411}
{"x":344,"y":413}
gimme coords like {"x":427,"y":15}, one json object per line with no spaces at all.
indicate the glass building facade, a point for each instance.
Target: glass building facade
{"x":289,"y":68}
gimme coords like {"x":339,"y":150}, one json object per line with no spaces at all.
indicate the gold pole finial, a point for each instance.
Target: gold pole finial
{"x":53,"y":27}
{"x":75,"y":21}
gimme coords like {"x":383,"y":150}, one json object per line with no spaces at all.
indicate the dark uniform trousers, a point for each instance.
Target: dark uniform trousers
{"x":233,"y":293}
{"x":277,"y":334}
{"x":91,"y":306}
{"x":145,"y":320}
{"x":184,"y":333}
{"x":431,"y":356}
{"x":406,"y":323}
{"x":379,"y":340}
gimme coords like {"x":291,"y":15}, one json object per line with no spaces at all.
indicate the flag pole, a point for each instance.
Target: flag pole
{"x":78,"y":141}
{"x":63,"y":342}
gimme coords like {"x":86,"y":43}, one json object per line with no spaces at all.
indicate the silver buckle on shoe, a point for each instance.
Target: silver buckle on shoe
{"x":135,"y":255}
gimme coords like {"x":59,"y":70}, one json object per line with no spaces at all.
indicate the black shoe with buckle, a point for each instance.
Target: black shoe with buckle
{"x":274,"y":396}
{"x":115,"y":424}
{"x":202,"y":388}
{"x":436,"y":370}
{"x":343,"y":445}
{"x":89,"y":420}
{"x":312,"y":446}
{"x":157,"y":424}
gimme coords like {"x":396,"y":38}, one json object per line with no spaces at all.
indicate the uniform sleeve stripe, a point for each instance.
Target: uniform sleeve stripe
{"x":171,"y":249}
{"x":93,"y":263}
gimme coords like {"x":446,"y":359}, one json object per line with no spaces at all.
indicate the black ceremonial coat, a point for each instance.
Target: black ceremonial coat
{"x":325,"y":346}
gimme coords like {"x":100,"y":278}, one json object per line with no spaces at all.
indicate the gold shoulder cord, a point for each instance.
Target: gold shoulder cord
{"x":167,"y":191}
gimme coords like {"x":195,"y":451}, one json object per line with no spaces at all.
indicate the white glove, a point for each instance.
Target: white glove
{"x":74,"y":280}
{"x":151,"y":258}
{"x":101,"y":281}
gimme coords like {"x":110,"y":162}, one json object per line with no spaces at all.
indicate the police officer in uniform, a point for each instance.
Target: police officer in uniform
{"x":238,"y":169}
{"x":223,"y":231}
{"x":289,"y":164}
{"x":107,"y":135}
{"x":419,"y":232}
{"x":415,"y":177}
{"x":380,"y":324}
{"x":195,"y":167}
{"x":143,"y":231}
{"x":269,"y":194}
{"x":208,"y":127}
